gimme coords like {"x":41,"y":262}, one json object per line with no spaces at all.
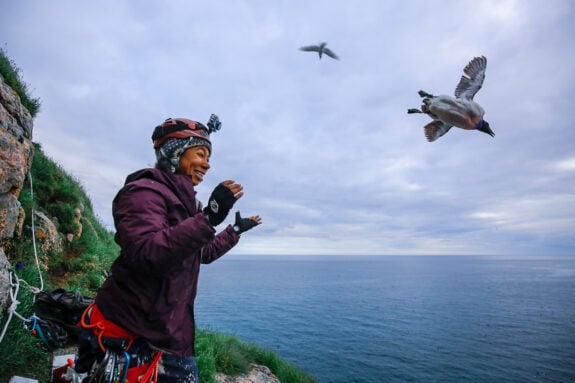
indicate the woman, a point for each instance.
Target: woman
{"x":164,"y":234}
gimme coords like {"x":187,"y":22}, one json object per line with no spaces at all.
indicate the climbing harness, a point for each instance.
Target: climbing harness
{"x":120,"y":362}
{"x":103,"y":327}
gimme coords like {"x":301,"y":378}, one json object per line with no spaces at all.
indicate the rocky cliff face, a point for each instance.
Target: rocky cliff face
{"x":16,"y":152}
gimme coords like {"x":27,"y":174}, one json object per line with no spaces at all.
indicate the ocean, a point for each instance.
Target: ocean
{"x":400,"y":318}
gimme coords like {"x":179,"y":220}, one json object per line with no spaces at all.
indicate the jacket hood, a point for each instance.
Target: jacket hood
{"x":180,"y":184}
{"x":172,"y":180}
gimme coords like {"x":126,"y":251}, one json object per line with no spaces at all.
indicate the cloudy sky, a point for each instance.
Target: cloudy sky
{"x":325,"y":150}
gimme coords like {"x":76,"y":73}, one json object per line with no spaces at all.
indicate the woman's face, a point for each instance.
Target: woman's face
{"x":195,"y":163}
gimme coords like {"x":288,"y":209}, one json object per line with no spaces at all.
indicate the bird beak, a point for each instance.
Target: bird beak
{"x":486,"y":129}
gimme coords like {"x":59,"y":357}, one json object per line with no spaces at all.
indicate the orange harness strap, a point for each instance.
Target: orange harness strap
{"x":147,"y":373}
{"x":103,"y":327}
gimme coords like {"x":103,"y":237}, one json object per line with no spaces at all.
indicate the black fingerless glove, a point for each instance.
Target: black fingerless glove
{"x":243,"y":224}
{"x":219,"y":205}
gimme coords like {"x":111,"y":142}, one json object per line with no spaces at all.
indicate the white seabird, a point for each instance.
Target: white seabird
{"x":460,"y":111}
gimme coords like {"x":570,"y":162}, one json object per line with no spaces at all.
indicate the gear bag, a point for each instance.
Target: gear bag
{"x":56,"y":315}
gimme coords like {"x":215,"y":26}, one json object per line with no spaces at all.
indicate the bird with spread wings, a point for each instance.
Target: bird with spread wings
{"x":459,"y":111}
{"x":320,"y":49}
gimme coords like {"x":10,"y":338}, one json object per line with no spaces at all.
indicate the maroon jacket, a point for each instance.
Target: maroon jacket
{"x":164,"y":237}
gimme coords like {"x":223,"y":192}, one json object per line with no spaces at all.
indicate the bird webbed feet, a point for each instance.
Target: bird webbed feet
{"x":413,"y":110}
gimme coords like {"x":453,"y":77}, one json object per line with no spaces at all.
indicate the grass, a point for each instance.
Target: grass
{"x":11,"y":74}
{"x":21,"y":353}
{"x":217,"y":352}
{"x":84,"y":261}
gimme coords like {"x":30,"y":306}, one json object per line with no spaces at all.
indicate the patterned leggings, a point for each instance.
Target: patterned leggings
{"x":177,"y":369}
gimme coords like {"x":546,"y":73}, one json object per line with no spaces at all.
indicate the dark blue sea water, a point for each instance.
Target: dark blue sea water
{"x":401,"y":319}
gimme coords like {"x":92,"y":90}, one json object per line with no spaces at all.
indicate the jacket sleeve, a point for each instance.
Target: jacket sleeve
{"x":220,"y":245}
{"x":152,"y":235}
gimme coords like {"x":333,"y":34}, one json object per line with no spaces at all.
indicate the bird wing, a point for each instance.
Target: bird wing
{"x":435,"y":129}
{"x":330,"y":53}
{"x":310,"y":48}
{"x":472,"y":79}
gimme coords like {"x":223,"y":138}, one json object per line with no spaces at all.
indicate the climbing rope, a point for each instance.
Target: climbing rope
{"x":15,"y":281}
{"x":34,"y":234}
{"x":14,"y":287}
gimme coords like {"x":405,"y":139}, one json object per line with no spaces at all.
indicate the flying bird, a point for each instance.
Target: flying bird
{"x":320,"y":49}
{"x":460,"y":111}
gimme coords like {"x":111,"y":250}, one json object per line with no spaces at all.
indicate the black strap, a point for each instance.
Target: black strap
{"x":162,"y":130}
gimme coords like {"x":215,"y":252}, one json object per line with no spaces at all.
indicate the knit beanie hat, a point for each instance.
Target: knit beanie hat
{"x":173,"y":137}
